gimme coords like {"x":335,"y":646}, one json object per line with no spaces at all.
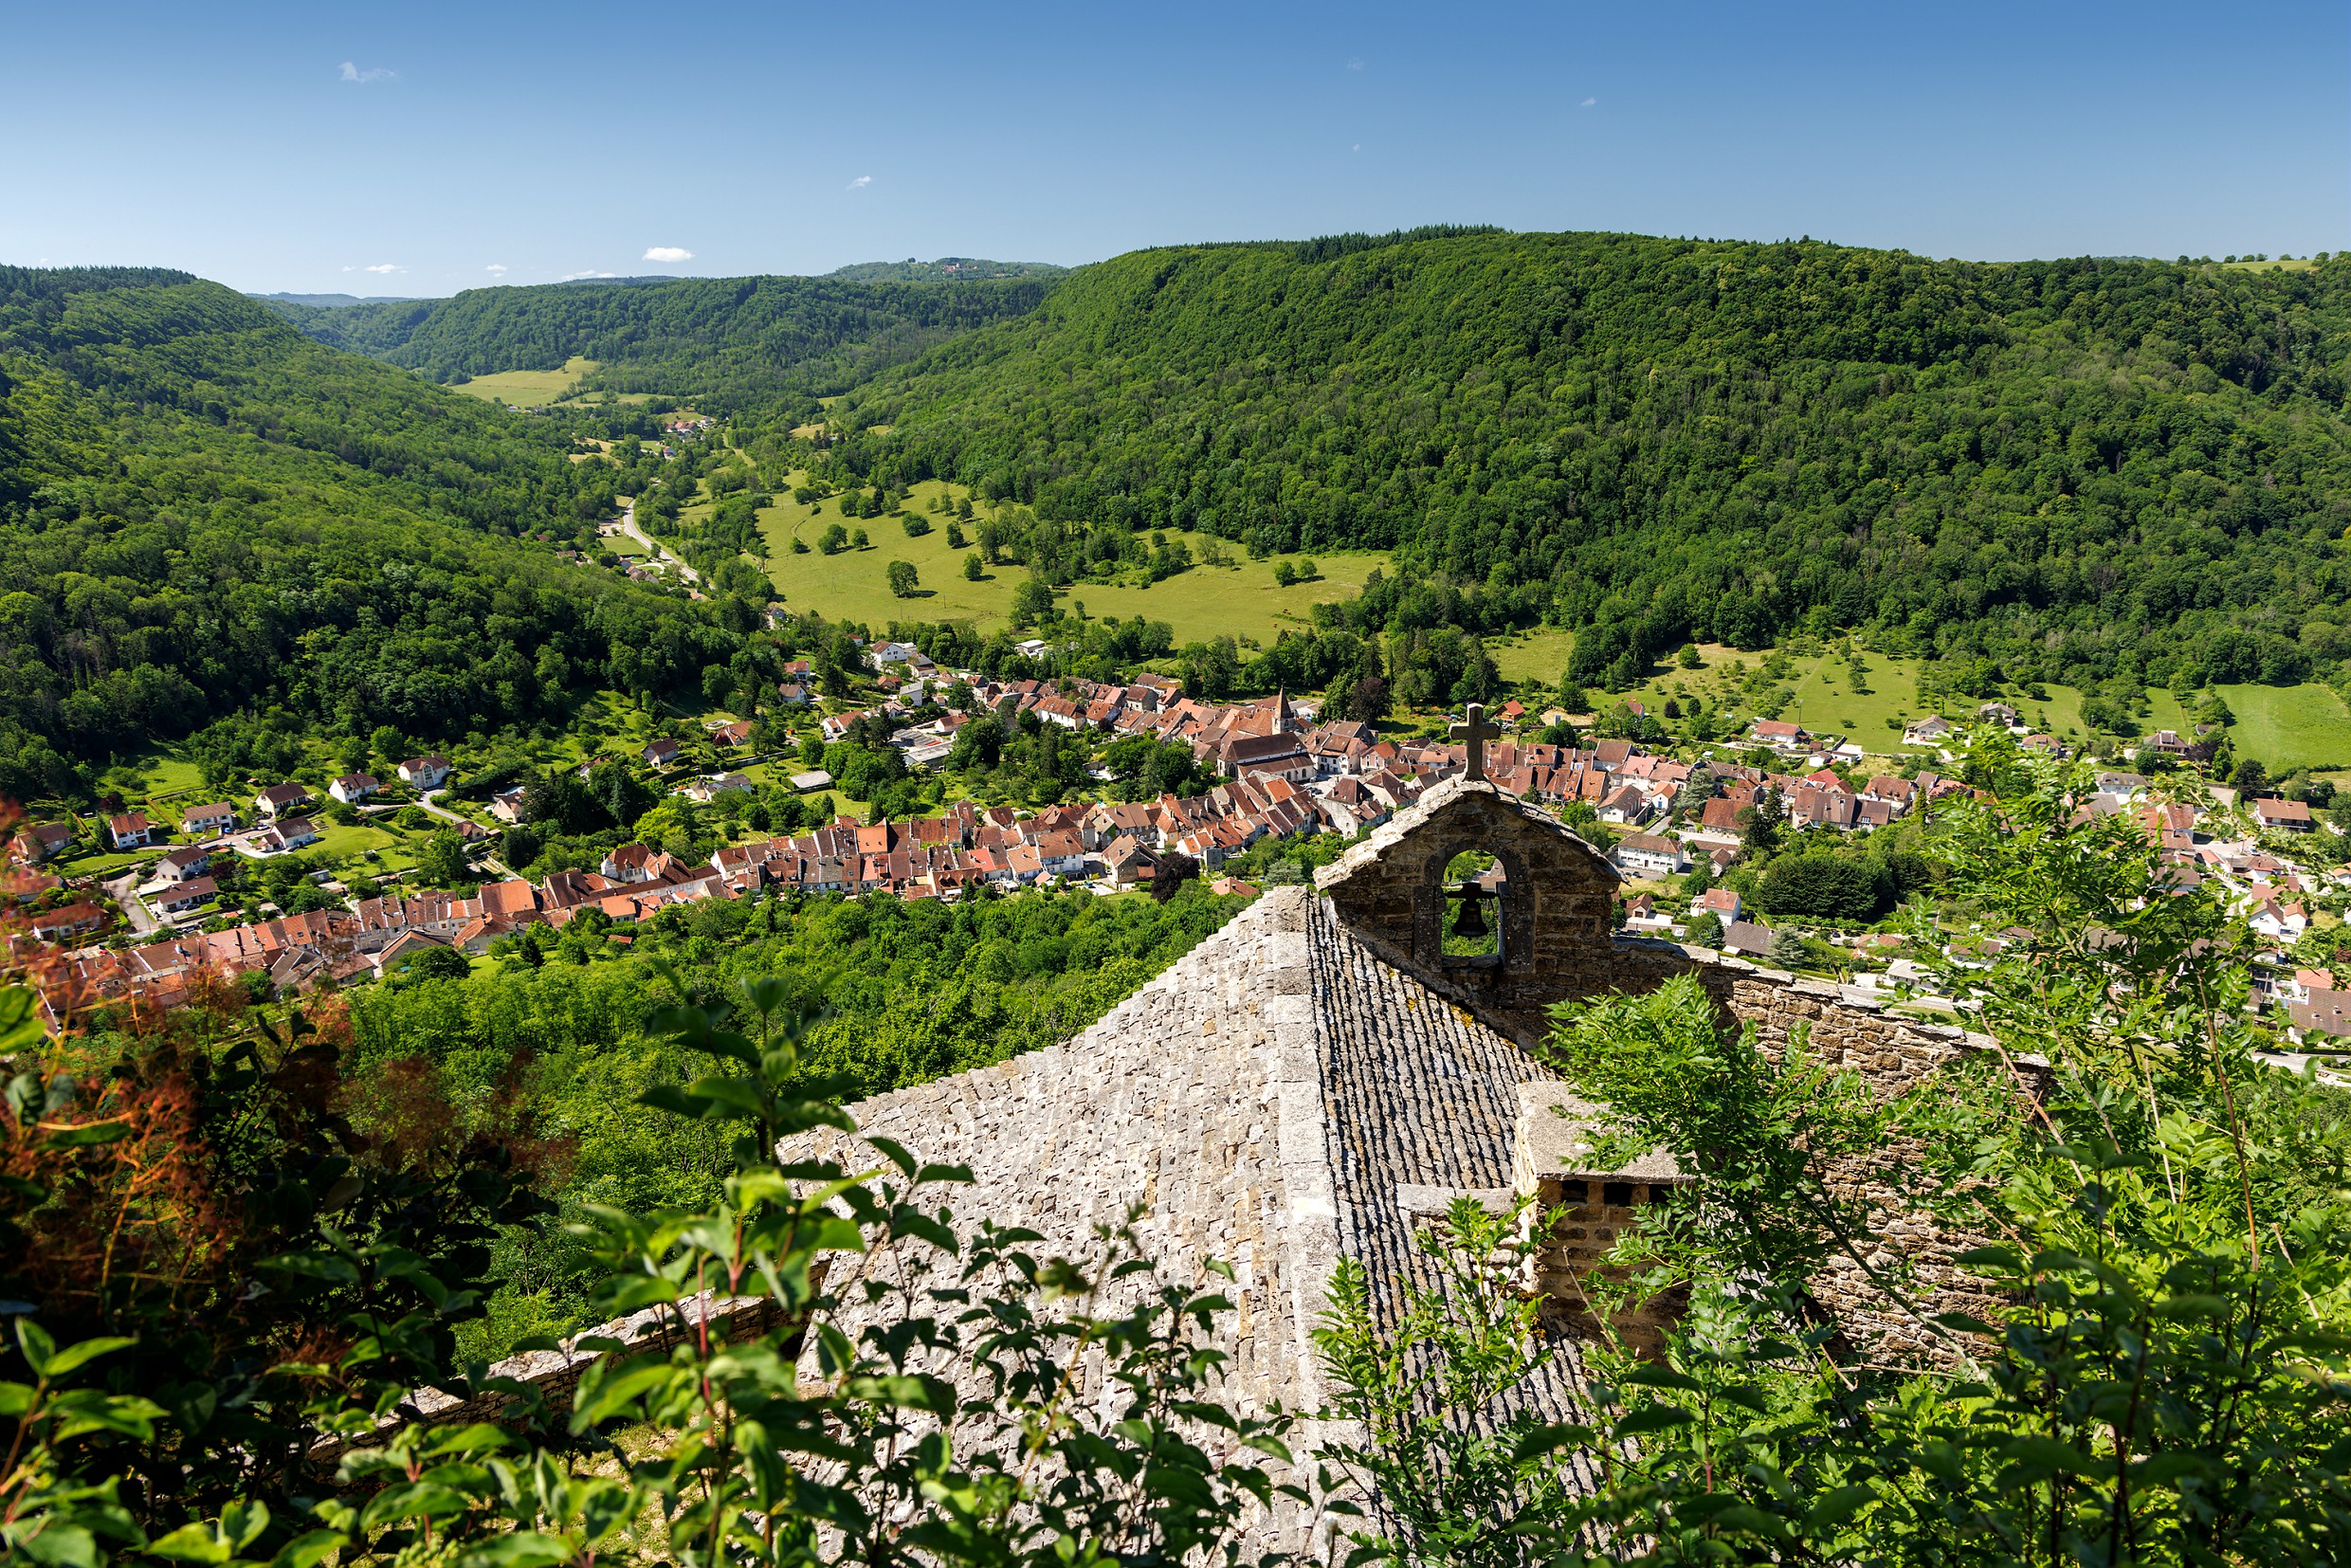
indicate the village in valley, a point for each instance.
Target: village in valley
{"x":1291,"y":788}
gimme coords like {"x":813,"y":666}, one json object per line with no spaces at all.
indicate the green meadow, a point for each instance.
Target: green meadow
{"x":1205,"y":602}
{"x":528,"y":389}
{"x":2291,"y":727}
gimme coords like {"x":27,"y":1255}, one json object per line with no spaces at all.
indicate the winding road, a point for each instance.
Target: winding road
{"x":629,"y":526}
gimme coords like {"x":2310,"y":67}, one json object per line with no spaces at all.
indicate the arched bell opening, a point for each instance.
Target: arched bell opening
{"x":1476,"y":888}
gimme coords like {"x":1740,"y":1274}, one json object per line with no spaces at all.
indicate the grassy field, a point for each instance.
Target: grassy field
{"x":527,"y":389}
{"x":1538,"y":656}
{"x":1825,"y":698}
{"x":1202,"y":603}
{"x":2289,"y":727}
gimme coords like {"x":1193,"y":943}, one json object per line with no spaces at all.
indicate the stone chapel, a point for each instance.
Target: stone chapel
{"x":1323,"y":1076}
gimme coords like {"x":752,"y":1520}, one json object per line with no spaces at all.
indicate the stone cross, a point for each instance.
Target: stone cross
{"x":1474,"y":734}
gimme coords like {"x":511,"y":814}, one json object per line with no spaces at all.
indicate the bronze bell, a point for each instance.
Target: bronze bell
{"x":1470,"y":919}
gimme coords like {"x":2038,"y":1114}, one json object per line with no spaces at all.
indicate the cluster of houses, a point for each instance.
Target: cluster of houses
{"x":1280,"y":773}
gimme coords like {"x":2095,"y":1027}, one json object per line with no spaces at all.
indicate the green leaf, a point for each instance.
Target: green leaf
{"x":2006,"y":1258}
{"x":519,"y":1550}
{"x":417,"y":1499}
{"x":1749,"y":1520}
{"x":924,"y":1393}
{"x":2191,"y":1305}
{"x":2050,"y":1454}
{"x":66,"y":1545}
{"x":1661,"y":1376}
{"x":96,"y":1132}
{"x":1549,"y":1439}
{"x":37,"y":1345}
{"x":82,"y":1352}
{"x":1831,"y":1510}
{"x":1653,"y":1418}
{"x":309,"y":1549}
{"x":327,"y":1268}
{"x":192,"y":1543}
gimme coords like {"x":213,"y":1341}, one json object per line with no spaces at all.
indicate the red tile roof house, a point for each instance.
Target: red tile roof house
{"x":42,"y":840}
{"x":1778,"y":733}
{"x":425,"y":773}
{"x":72,"y":921}
{"x":2288,"y":816}
{"x":353,"y":788}
{"x":128,"y":832}
{"x":660,"y":753}
{"x":731,"y":735}
{"x":1721,"y":902}
{"x":210,"y":821}
{"x":280,"y":797}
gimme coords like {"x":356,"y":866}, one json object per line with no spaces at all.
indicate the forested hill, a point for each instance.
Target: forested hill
{"x":722,"y":341}
{"x":201,"y":511}
{"x":2100,"y":465}
{"x":946,"y":270}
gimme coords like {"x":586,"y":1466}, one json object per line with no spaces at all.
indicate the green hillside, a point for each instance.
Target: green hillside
{"x":2076,"y":471}
{"x":721,"y":341}
{"x":203,"y":512}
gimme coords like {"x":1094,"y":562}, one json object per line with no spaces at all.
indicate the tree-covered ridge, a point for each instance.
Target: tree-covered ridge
{"x":2091,"y":466}
{"x":722,"y":340}
{"x":201,"y":512}
{"x":362,"y":326}
{"x":946,"y":270}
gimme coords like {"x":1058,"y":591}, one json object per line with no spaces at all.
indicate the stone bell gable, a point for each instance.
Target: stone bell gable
{"x":1389,"y":889}
{"x":1555,"y":910}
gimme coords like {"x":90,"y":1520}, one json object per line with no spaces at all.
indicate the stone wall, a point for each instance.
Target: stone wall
{"x":555,"y":1374}
{"x":1558,"y":947}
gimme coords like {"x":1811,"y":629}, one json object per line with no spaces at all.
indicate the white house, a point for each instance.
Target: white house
{"x":425,"y":773}
{"x":210,"y":821}
{"x":1644,"y":854}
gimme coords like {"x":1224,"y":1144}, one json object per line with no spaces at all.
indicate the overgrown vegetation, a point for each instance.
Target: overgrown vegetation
{"x":290,"y":1245}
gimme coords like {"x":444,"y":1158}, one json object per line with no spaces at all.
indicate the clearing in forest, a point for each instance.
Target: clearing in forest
{"x":528,"y":389}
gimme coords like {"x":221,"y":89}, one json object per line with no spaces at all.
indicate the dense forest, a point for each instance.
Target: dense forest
{"x":726,"y":342}
{"x":2087,"y":469}
{"x":202,"y":512}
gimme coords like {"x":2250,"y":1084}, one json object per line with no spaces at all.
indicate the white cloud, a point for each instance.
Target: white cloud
{"x":861,"y":182}
{"x":667,"y":253}
{"x":1588,"y":104}
{"x":352,"y":73}
{"x":1359,"y":146}
{"x":574,"y":276}
{"x":498,"y":267}
{"x":385,"y":266}
{"x":1356,"y":64}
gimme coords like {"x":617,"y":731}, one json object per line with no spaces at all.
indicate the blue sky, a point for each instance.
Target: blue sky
{"x":416,"y":148}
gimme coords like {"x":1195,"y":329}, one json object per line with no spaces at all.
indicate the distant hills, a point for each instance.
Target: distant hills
{"x":333,"y":301}
{"x":725,"y":342}
{"x":2084,"y":471}
{"x":947,"y":269}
